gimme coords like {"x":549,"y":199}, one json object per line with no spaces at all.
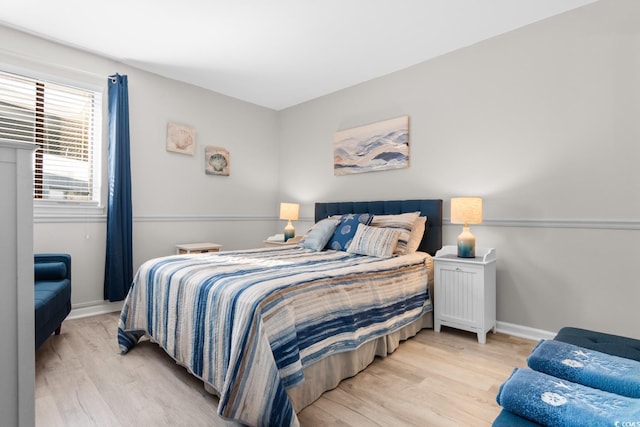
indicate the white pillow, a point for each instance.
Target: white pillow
{"x":374,"y":241}
{"x":318,"y":236}
{"x":401,"y":222}
{"x":416,"y":234}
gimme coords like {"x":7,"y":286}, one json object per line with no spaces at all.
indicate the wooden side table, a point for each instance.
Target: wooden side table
{"x":197,"y":248}
{"x":292,"y":241}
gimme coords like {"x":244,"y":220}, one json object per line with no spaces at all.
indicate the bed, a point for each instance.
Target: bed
{"x":269,"y":330}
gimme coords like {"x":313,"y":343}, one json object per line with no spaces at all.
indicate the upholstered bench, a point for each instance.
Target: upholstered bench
{"x":628,"y":348}
{"x":52,"y":294}
{"x":599,"y":341}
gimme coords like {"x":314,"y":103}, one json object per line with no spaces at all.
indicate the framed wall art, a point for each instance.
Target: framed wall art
{"x":375,"y":147}
{"x":216,"y":161}
{"x":181,"y":139}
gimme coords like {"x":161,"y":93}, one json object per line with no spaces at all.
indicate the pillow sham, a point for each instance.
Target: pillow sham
{"x":416,"y":234}
{"x":346,"y":229}
{"x":318,"y":236}
{"x":374,"y":241}
{"x":402,"y":222}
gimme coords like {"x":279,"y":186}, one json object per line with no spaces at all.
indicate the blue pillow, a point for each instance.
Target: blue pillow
{"x":44,"y":271}
{"x":346,"y":229}
{"x":317,"y":238}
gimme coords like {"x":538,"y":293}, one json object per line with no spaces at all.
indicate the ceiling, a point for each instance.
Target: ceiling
{"x":275,"y":53}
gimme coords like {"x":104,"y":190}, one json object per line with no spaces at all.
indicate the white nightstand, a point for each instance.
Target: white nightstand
{"x":197,"y":248}
{"x":465,"y":291}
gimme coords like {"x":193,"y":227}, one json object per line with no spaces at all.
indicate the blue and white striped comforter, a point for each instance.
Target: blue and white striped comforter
{"x":248,"y":322}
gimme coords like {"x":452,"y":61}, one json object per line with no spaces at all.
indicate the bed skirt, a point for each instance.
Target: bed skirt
{"x":327,"y":373}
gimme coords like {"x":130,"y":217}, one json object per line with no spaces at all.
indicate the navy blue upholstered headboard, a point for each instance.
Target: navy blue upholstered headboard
{"x":431,"y":208}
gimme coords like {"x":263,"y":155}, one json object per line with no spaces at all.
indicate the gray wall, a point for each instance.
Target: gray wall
{"x":542,"y":123}
{"x":174,"y":201}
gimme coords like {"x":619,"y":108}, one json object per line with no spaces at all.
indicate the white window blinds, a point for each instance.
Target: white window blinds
{"x":63,"y":121}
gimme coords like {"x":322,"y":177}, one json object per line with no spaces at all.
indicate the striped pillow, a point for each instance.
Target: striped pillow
{"x":417,"y":234}
{"x":402,"y":222}
{"x":374,"y":241}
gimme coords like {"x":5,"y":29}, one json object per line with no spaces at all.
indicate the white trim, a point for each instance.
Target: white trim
{"x":28,"y":65}
{"x":607,"y":224}
{"x":198,"y":218}
{"x":94,"y":308}
{"x":524,"y":331}
{"x":97,"y":214}
{"x":52,"y":211}
{"x":68,"y":218}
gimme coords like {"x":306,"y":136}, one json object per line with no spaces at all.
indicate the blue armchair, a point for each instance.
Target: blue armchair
{"x":52,"y":289}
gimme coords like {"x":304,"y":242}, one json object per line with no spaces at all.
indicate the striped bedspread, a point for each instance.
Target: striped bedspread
{"x":248,"y":322}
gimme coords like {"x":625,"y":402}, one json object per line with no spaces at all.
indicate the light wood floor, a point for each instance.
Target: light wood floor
{"x":433,"y":379}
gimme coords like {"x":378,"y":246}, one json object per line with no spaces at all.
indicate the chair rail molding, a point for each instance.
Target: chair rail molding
{"x":606,"y":224}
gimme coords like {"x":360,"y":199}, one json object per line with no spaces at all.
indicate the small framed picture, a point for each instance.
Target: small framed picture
{"x":181,"y":139}
{"x":216,"y":161}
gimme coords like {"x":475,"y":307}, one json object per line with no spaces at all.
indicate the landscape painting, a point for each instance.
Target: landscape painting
{"x":375,"y":147}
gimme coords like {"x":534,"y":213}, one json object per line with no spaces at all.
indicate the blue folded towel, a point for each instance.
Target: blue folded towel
{"x":551,"y":401}
{"x":591,"y":368}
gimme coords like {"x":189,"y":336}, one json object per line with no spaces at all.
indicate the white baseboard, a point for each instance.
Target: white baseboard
{"x":524,"y":331}
{"x":94,"y":308}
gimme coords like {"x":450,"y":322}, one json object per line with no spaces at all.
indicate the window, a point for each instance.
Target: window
{"x":64,"y":122}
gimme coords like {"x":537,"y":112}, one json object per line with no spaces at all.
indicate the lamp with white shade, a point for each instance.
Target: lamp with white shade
{"x":466,"y":210}
{"x":289,"y":212}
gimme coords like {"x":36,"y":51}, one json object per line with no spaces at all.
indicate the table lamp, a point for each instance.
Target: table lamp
{"x":466,"y":210}
{"x":289,"y":211}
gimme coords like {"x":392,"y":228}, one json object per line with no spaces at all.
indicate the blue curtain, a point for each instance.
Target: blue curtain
{"x":118,"y":273}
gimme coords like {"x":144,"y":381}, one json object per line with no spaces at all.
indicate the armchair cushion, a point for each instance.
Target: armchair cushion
{"x":45,"y":271}
{"x":52,"y":294}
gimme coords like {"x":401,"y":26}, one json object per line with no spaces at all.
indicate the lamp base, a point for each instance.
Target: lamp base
{"x":466,"y":244}
{"x":289,"y":231}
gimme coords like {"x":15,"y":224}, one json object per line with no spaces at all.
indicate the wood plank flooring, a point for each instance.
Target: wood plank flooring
{"x":433,"y":379}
